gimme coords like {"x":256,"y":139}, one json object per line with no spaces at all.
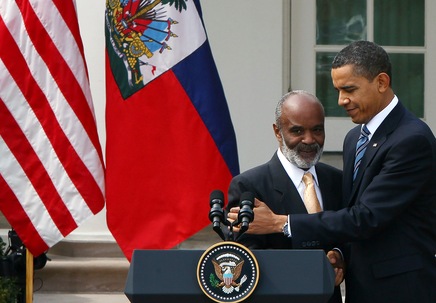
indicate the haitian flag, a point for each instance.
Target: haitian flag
{"x":170,"y":139}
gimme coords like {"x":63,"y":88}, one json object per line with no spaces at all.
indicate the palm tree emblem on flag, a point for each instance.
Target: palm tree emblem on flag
{"x":136,"y":31}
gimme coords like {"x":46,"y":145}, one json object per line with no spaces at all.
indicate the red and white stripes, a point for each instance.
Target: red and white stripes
{"x":51,"y":166}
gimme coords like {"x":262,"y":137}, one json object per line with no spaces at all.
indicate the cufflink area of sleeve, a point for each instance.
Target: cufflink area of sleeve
{"x":286,"y":230}
{"x":310,"y":244}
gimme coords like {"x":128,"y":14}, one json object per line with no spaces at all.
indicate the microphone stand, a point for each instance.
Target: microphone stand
{"x":245,"y":216}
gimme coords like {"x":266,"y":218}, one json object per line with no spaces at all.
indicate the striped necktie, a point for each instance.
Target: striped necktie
{"x":360,"y":149}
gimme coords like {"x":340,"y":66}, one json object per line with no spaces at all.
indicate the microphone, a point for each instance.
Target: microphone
{"x":216,"y":213}
{"x":246,"y":214}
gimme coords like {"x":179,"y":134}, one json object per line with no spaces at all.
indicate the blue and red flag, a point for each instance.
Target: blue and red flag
{"x":170,"y":139}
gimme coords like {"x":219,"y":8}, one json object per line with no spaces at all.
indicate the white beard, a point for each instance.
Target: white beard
{"x":293,"y":156}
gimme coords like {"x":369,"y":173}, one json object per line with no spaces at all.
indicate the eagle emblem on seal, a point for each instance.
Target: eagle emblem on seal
{"x":227,"y":272}
{"x":228,"y":268}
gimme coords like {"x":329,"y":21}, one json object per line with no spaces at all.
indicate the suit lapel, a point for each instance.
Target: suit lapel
{"x":377,"y":140}
{"x":287,"y":194}
{"x":326,"y":188}
{"x":348,"y":156}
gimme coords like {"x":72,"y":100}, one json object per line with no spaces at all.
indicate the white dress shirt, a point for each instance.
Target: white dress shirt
{"x":296,"y":175}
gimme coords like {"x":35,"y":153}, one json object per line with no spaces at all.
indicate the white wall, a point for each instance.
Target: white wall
{"x":246,"y":40}
{"x":246,"y":37}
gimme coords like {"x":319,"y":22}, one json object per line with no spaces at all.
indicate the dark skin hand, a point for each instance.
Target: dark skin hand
{"x":267,"y":222}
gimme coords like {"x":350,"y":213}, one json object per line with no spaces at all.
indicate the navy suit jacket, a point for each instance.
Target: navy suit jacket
{"x":270,"y":183}
{"x":390,"y":221}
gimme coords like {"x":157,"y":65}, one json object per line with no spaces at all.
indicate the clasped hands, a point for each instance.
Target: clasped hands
{"x":267,"y":222}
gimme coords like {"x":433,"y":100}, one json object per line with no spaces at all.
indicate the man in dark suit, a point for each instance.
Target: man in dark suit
{"x":299,"y":130}
{"x":390,"y":220}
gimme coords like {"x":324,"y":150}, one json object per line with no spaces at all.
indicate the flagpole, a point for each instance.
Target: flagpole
{"x":29,"y":276}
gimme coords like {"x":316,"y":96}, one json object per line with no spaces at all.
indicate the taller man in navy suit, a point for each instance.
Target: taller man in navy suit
{"x":390,"y":220}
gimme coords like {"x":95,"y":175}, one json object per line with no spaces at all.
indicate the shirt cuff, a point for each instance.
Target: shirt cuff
{"x":340,"y":252}
{"x":287,"y":228}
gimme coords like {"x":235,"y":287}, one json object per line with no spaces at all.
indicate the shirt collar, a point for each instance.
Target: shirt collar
{"x":375,"y":122}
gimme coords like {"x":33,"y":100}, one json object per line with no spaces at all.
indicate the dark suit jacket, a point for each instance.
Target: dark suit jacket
{"x":270,"y":183}
{"x":391,"y":215}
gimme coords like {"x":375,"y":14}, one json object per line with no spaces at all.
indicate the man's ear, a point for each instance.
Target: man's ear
{"x":277,"y":133}
{"x":384,"y":82}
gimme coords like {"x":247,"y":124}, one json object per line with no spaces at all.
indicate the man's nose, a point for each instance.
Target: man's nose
{"x":343,"y":99}
{"x":308,"y":138}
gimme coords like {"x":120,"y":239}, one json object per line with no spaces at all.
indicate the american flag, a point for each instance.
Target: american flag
{"x":51,"y":165}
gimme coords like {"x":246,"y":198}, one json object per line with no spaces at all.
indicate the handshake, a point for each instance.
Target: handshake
{"x":239,"y":219}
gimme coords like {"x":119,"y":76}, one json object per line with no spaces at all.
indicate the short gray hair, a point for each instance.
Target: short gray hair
{"x":279,"y":107}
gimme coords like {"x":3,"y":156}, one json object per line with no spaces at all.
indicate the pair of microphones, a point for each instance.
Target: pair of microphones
{"x":217,"y":214}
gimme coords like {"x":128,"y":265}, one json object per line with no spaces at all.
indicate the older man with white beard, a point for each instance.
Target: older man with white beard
{"x":299,"y":130}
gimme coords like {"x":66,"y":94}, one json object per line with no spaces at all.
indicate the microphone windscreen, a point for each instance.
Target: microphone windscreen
{"x":247,"y":196}
{"x":217,"y":194}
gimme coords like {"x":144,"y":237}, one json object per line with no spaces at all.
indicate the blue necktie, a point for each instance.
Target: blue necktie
{"x":360,"y":149}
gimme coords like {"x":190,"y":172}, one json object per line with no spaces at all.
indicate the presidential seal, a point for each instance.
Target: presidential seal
{"x":228,"y":272}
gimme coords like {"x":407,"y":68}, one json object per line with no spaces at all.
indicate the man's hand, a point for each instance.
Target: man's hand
{"x":338,"y":264}
{"x":265,"y":221}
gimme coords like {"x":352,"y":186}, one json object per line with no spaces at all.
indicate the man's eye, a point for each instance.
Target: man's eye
{"x":297,"y":131}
